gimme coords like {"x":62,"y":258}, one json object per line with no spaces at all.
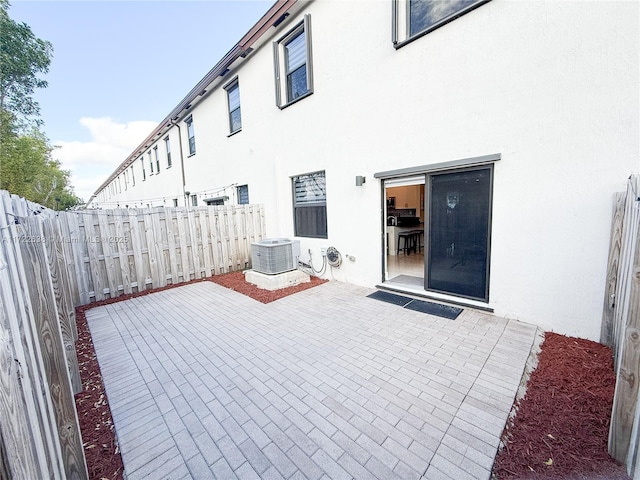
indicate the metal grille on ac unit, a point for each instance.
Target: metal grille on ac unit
{"x":275,"y":255}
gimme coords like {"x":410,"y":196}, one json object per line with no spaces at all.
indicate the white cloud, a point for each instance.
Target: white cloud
{"x":92,"y":162}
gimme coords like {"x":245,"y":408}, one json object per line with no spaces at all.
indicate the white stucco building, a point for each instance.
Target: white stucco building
{"x":500,"y":129}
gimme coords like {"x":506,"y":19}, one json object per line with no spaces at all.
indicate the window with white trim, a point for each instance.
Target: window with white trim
{"x":414,"y":18}
{"x":150,"y":162}
{"x":293,"y":66}
{"x":144,"y":174}
{"x":191,"y":135}
{"x":167,"y":147}
{"x":310,"y":205}
{"x":233,"y":102}
{"x":155,"y":154}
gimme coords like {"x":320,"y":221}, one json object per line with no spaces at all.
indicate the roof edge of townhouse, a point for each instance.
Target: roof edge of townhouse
{"x":240,"y":51}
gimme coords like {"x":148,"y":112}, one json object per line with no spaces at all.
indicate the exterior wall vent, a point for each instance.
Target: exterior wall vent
{"x":275,"y":255}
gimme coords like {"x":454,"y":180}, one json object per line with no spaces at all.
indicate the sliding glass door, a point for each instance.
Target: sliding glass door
{"x":458,"y":232}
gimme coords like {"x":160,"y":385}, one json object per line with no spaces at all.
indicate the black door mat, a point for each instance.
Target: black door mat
{"x":437,"y":309}
{"x":390,"y":298}
{"x":430,"y":308}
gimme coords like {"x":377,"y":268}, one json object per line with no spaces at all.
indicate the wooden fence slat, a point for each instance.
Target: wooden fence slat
{"x":136,"y":241}
{"x":158,"y":246}
{"x":101,"y":239}
{"x":49,"y":336}
{"x":205,"y":239}
{"x":191,"y":215}
{"x":78,"y":247}
{"x":151,"y":244}
{"x":100,"y":282}
{"x":183,"y":229}
{"x":216,"y":253}
{"x":245,"y":246}
{"x":67,"y":261}
{"x":608,"y":332}
{"x":171,"y":242}
{"x":121,"y":247}
{"x":221,"y":233}
{"x":61,"y":299}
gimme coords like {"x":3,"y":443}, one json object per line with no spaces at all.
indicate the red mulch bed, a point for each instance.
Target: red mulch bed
{"x":94,"y":414}
{"x":235,"y":281}
{"x":561,"y":427}
{"x":96,"y":424}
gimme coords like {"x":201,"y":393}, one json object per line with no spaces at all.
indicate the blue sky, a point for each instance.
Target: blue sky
{"x":119,"y":67}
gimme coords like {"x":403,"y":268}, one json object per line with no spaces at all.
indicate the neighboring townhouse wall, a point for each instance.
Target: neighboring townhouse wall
{"x":550,"y":86}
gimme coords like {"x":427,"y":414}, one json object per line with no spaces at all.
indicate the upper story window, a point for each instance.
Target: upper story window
{"x":133,"y":177}
{"x":191,"y":135}
{"x":150,"y":163}
{"x":292,"y":56}
{"x":310,"y":205}
{"x":414,"y":18}
{"x":233,"y":100}
{"x":144,"y":174}
{"x":155,"y":154}
{"x":167,"y":146}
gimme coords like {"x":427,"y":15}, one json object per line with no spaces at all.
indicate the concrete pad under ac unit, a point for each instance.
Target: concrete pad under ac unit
{"x":278,"y":280}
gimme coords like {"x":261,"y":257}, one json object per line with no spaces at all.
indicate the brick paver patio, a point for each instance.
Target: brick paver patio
{"x":204,"y":382}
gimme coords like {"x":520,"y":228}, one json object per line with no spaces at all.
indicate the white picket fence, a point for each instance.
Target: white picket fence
{"x":51,"y":262}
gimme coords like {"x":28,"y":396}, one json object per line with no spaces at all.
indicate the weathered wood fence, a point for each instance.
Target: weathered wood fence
{"x":39,"y":432}
{"x":51,"y":262}
{"x":114,"y":252}
{"x":621,"y":325}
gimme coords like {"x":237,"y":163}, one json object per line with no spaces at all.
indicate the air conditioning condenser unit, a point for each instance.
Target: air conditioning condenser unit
{"x":275,"y":255}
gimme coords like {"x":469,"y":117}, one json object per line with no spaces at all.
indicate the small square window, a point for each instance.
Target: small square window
{"x":233,"y":101}
{"x":414,"y":18}
{"x":292,"y":57}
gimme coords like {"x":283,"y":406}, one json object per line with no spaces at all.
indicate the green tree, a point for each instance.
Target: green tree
{"x":23,"y":56}
{"x":27,"y":167}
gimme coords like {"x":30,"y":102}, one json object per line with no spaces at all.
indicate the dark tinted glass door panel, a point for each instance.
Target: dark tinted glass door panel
{"x":459,"y":219}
